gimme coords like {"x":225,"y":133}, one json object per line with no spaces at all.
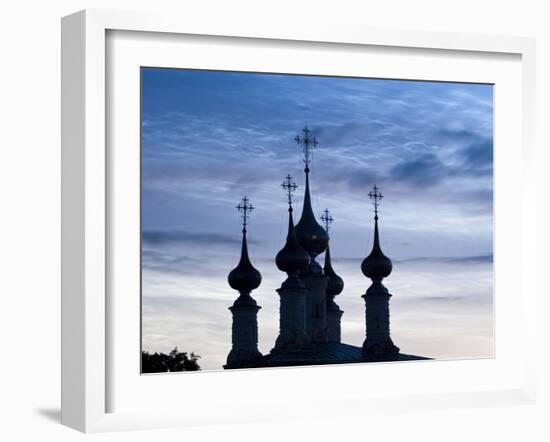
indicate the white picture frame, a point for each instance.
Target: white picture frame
{"x":86,"y":203}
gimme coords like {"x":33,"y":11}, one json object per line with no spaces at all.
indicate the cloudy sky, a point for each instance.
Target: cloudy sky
{"x":208,"y":138}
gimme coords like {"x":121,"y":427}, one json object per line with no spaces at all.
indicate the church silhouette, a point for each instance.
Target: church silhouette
{"x":309,"y":318}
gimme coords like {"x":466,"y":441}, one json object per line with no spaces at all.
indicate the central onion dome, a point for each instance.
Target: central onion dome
{"x":311,"y":236}
{"x":335,"y":283}
{"x":376,"y":266}
{"x":245,"y":277}
{"x":292,"y":258}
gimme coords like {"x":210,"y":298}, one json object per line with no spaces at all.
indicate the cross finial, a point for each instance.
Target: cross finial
{"x":327,"y":219}
{"x":308,"y":143}
{"x":289,"y":186}
{"x":375,"y":196}
{"x":244,"y":207}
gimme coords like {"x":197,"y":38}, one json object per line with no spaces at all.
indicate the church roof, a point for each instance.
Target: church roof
{"x":320,"y":353}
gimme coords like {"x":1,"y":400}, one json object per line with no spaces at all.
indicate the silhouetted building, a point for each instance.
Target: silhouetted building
{"x":377,"y":266}
{"x":309,"y":318}
{"x":244,"y":278}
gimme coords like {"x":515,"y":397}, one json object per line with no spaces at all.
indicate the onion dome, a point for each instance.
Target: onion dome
{"x":311,"y":236}
{"x":245,"y":277}
{"x":292,"y":258}
{"x":335,"y":283}
{"x":376,"y":266}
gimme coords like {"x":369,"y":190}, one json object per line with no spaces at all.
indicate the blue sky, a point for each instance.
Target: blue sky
{"x":208,"y":138}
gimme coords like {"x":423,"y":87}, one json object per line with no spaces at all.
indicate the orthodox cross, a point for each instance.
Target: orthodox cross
{"x":289,"y":186}
{"x":308,"y":143}
{"x":244,"y":207}
{"x":376,"y":196}
{"x":327,"y":219}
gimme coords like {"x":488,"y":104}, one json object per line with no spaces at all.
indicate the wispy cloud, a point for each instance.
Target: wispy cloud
{"x":156,"y":237}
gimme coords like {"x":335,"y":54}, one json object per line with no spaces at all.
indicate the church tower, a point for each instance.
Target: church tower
{"x":377,"y":266}
{"x":244,"y":278}
{"x":334,"y":287}
{"x":292,"y":259}
{"x":314,"y":239}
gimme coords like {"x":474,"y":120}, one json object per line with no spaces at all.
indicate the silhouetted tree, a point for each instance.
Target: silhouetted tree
{"x":174,"y":361}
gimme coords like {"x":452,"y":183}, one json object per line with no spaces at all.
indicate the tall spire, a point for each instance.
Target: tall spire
{"x":378,"y":345}
{"x":334,"y":287}
{"x":376,"y":266}
{"x":292,"y":258}
{"x":312,"y":237}
{"x":335,"y":283}
{"x":244,"y":278}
